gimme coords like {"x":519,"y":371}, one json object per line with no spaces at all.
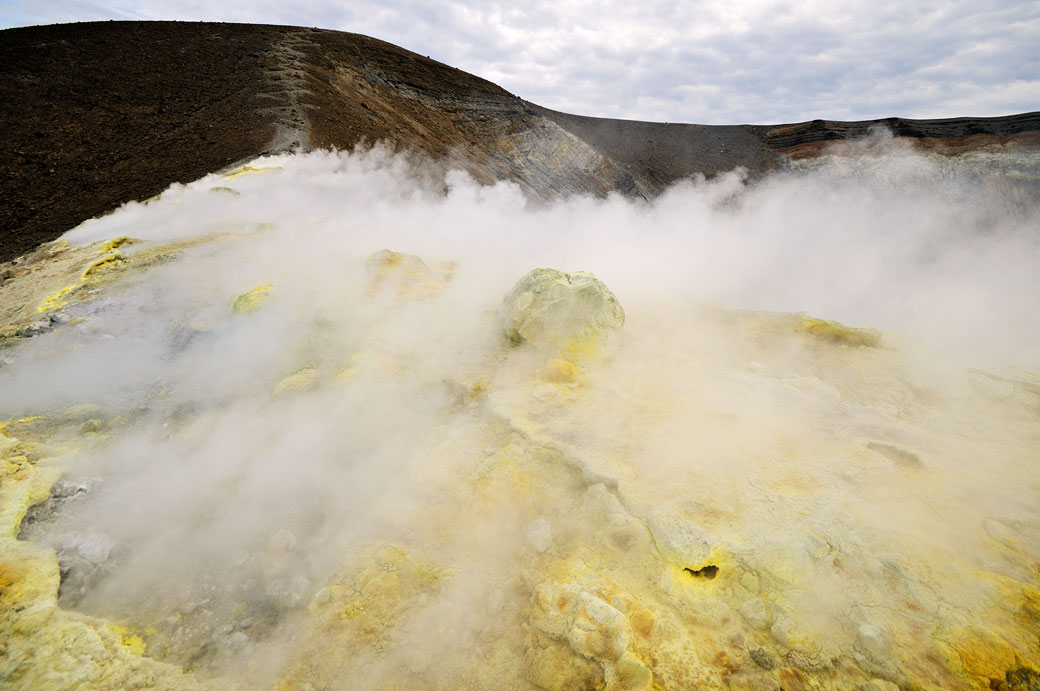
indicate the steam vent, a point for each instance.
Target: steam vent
{"x":345,"y":369}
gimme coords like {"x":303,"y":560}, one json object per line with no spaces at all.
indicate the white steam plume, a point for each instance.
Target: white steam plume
{"x":214,"y":471}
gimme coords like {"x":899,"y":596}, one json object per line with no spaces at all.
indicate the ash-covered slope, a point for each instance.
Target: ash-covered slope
{"x":98,"y":114}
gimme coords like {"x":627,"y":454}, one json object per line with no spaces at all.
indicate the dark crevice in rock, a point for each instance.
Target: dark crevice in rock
{"x":708,"y":572}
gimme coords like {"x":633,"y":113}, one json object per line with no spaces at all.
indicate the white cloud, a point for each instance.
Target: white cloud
{"x":711,"y":61}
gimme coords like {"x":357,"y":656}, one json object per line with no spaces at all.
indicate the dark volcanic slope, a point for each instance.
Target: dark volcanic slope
{"x":98,"y":114}
{"x":668,"y":151}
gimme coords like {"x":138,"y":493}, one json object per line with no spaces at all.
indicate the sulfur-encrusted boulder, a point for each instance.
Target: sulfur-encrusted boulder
{"x":573,"y":313}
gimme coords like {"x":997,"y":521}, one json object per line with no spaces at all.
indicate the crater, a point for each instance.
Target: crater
{"x":708,"y":572}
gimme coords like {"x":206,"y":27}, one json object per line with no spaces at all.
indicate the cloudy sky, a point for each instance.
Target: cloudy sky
{"x":705,"y":61}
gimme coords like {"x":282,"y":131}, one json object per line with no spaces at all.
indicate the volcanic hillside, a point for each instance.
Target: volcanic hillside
{"x":98,"y":114}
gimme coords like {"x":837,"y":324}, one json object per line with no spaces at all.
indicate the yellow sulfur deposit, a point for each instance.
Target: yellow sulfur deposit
{"x":109,"y":245}
{"x":836,"y":332}
{"x":110,"y":261}
{"x":406,"y":276}
{"x":46,"y":647}
{"x":131,"y":641}
{"x":252,"y":300}
{"x":58,"y":299}
{"x":556,"y":501}
{"x":299,"y":382}
{"x":57,"y":275}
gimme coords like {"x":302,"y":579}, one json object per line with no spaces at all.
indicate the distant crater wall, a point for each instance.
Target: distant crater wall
{"x":98,"y":114}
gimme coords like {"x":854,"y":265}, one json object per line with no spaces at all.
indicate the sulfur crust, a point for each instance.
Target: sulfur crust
{"x":612,"y":603}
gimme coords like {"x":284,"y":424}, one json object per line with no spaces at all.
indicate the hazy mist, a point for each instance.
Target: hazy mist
{"x":214,"y":480}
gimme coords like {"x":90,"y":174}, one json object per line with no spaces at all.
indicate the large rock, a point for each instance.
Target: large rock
{"x":573,"y":313}
{"x":592,"y":642}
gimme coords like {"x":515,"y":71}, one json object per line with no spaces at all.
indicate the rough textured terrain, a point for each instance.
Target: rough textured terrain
{"x":98,"y":114}
{"x":520,"y":543}
{"x":240,"y":448}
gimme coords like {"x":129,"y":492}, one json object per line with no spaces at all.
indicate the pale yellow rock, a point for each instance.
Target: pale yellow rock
{"x":590,"y":626}
{"x":252,"y":300}
{"x":539,"y":535}
{"x":7,"y":443}
{"x":109,"y":245}
{"x":557,"y":668}
{"x":58,"y":299}
{"x":679,"y":541}
{"x":83,"y":411}
{"x":560,"y":371}
{"x":406,"y":276}
{"x":357,"y":613}
{"x":113,"y":261}
{"x":370,"y":363}
{"x":754,"y":612}
{"x":836,"y":332}
{"x":630,"y":674}
{"x":298,"y":382}
{"x":573,"y":314}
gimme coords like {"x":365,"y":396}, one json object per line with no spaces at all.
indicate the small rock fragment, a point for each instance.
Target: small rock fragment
{"x":754,"y":613}
{"x":113,"y":243}
{"x":407,"y":275}
{"x":252,"y":300}
{"x":872,"y":640}
{"x":630,"y":674}
{"x":762,"y":658}
{"x":559,"y":371}
{"x":95,"y":547}
{"x":299,"y":382}
{"x":539,"y":535}
{"x":235,"y":641}
{"x":590,"y":626}
{"x":836,"y":332}
{"x":288,"y":592}
{"x":83,"y":411}
{"x":91,"y":426}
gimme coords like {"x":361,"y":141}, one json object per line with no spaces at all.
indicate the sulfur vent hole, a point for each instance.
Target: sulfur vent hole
{"x":709,"y":572}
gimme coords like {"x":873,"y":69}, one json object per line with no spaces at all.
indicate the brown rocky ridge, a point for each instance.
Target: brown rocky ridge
{"x":98,"y":114}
